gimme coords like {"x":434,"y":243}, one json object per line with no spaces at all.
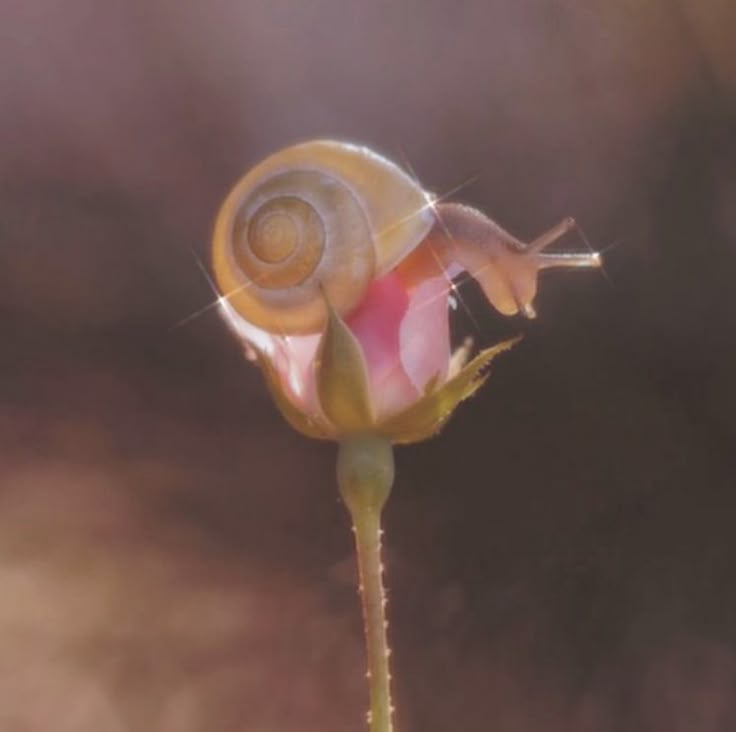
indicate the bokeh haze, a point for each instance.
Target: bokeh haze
{"x":174,"y":558}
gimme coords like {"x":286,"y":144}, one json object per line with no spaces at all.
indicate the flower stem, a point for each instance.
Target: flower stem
{"x":365,"y":473}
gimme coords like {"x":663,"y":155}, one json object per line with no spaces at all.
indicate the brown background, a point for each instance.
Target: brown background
{"x":172,"y":557}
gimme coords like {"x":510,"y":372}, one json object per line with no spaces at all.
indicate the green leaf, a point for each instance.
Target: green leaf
{"x":317,"y":429}
{"x":426,"y":417}
{"x":342,"y":378}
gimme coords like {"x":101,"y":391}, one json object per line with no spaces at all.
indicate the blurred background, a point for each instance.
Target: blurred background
{"x":173,"y":557}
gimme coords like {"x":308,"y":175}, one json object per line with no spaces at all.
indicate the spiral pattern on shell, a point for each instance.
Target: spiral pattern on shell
{"x":315,"y":222}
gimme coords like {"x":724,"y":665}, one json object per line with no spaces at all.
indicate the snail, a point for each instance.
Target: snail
{"x":317,"y":222}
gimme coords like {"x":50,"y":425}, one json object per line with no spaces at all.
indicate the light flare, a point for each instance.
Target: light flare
{"x":431,"y":202}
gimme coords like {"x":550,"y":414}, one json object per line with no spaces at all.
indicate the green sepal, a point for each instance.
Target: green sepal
{"x":426,"y":417}
{"x":342,"y":378}
{"x":431,"y":385}
{"x":318,"y":429}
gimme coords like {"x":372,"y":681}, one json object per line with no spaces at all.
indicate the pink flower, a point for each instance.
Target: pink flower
{"x":388,"y":366}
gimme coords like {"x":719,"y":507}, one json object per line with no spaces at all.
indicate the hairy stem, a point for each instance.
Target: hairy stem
{"x":365,"y":472}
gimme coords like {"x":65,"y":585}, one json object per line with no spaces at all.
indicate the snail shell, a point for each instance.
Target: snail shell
{"x":317,"y":220}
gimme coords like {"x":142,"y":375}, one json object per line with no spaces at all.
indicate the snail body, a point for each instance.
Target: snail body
{"x":314,"y":222}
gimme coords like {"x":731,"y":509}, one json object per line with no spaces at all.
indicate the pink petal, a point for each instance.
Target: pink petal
{"x":425,"y":332}
{"x":299,"y":353}
{"x":375,"y":323}
{"x":291,"y":356}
